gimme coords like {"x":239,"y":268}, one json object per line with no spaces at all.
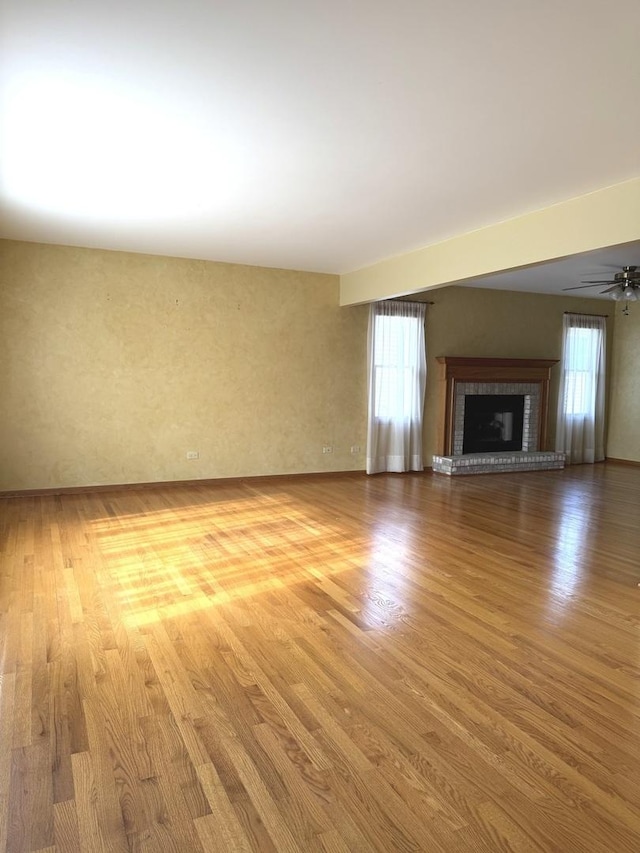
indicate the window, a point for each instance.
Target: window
{"x":580,"y":432}
{"x":396,"y":365}
{"x":397,"y":374}
{"x":582,"y":348}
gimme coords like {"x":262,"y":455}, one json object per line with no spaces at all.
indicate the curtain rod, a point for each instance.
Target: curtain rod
{"x":410,"y":301}
{"x":576,"y":314}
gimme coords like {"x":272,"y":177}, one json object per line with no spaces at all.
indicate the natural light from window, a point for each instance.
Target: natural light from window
{"x":580,"y":382}
{"x":396,"y":364}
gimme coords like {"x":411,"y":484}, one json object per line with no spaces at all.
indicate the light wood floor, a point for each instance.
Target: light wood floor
{"x":396,"y":663}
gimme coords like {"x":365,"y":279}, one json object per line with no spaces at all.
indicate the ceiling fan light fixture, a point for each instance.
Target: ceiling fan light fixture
{"x":625,"y":293}
{"x":623,"y":287}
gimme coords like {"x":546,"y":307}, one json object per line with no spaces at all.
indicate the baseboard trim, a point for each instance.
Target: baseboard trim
{"x":633,"y":462}
{"x":162,"y":484}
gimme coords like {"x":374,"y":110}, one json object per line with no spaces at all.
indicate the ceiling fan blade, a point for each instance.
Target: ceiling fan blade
{"x":626,"y":276}
{"x":583,"y":286}
{"x":606,"y":267}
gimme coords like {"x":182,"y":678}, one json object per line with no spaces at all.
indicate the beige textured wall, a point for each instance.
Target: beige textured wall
{"x":467,"y":321}
{"x":624,"y":422}
{"x":114,"y":365}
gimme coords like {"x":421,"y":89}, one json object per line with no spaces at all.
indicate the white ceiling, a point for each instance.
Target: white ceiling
{"x":317,"y":135}
{"x":558,"y":276}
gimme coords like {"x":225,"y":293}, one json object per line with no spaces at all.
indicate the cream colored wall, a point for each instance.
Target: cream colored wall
{"x":624,"y":422}
{"x":114,"y":365}
{"x":607,"y":217}
{"x":466,"y":321}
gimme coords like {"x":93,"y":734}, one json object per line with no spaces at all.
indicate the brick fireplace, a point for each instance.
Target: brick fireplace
{"x":498,"y":407}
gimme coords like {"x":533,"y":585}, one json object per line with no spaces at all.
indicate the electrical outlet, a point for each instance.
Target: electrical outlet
{"x":193,"y":454}
{"x":327,"y":448}
{"x":355,"y":448}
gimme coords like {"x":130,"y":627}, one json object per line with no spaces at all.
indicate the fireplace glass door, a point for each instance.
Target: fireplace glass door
{"x":493,"y":423}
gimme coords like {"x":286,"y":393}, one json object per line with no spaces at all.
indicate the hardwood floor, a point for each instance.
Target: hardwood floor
{"x":395,"y":663}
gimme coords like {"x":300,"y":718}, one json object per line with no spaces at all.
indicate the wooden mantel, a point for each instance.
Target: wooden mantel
{"x":453,"y":369}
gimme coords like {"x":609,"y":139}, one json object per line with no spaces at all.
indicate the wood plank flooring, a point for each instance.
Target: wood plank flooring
{"x":393,"y":663}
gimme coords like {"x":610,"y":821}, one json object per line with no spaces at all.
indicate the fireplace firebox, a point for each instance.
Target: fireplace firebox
{"x":492,"y":423}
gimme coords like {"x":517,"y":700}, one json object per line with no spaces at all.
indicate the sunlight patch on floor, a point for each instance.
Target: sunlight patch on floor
{"x":174,"y":561}
{"x":570,"y":557}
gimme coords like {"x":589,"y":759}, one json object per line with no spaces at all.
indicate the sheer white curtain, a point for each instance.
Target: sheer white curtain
{"x":397,"y":378}
{"x":580,"y":430}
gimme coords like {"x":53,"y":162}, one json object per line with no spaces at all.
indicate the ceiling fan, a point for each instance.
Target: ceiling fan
{"x":624,"y":286}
